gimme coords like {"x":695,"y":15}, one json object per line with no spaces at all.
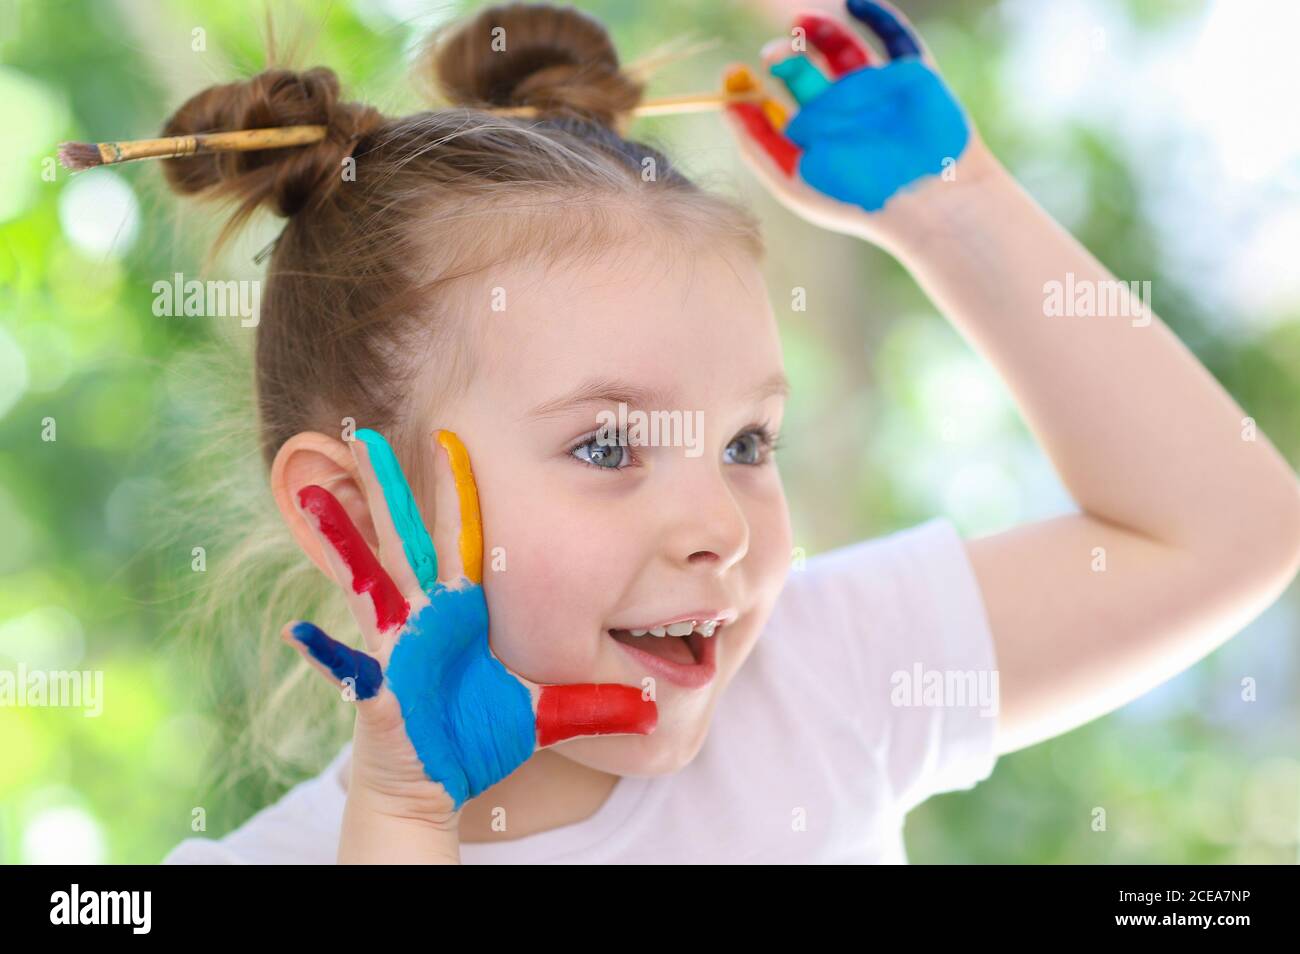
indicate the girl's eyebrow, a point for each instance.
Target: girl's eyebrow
{"x":602,"y":390}
{"x":776,"y":384}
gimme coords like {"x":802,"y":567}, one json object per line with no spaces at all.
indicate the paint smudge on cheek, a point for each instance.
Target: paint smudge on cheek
{"x":368,"y":576}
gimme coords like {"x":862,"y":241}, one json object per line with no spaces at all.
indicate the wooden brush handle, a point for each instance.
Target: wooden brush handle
{"x":248,"y":140}
{"x":243,"y":140}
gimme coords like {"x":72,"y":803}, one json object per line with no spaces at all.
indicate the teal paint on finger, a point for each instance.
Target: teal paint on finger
{"x":801,"y":77}
{"x":420,"y":552}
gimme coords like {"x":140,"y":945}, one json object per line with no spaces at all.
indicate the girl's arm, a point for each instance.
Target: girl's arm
{"x":1189,"y":521}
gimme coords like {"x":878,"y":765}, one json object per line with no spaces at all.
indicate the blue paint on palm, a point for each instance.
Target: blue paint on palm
{"x":470,"y":721}
{"x":877,"y":131}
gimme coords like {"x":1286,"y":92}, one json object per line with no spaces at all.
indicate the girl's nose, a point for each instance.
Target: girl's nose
{"x":709,"y":530}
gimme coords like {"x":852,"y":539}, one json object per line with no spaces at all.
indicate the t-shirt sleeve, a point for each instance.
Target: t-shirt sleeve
{"x":907,"y":641}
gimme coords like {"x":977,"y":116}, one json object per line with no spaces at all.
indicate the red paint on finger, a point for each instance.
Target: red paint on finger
{"x":763,"y":121}
{"x":368,"y":575}
{"x":842,"y":50}
{"x":760,"y":129}
{"x":564,"y":712}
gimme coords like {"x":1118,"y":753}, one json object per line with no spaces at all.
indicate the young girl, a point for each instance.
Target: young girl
{"x":590,"y":645}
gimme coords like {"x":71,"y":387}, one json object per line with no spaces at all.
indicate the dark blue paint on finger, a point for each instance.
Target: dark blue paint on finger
{"x":343,"y":662}
{"x":898,"y":40}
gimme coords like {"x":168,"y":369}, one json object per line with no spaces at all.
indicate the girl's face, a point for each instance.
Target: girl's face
{"x":585,"y":542}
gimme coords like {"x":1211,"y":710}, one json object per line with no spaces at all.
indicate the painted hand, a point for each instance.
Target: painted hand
{"x":429,"y":681}
{"x":862,"y":134}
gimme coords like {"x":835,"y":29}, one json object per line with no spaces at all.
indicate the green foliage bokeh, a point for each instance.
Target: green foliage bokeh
{"x":889,"y":405}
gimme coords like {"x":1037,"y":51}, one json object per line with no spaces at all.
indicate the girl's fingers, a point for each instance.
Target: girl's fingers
{"x":842,"y":50}
{"x":342,"y":665}
{"x":802,"y":79}
{"x":581,"y":709}
{"x":405,"y":548}
{"x":572,"y":711}
{"x":375,"y":600}
{"x":895,"y":33}
{"x":836,"y":51}
{"x":584,"y":709}
{"x":772,"y":156}
{"x":458,"y":525}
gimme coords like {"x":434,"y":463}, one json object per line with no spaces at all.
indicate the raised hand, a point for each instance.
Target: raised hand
{"x":862,"y":133}
{"x":439,"y":717}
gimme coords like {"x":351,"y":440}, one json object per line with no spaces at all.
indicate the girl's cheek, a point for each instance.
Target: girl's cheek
{"x":547,"y":571}
{"x":772,"y":543}
{"x":546,"y":607}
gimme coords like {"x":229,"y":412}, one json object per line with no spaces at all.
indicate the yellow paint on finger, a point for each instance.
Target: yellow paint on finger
{"x":741,"y":79}
{"x":471,"y":523}
{"x":775,"y":112}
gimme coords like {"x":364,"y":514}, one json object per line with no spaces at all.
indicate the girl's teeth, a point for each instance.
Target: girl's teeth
{"x":684,"y":628}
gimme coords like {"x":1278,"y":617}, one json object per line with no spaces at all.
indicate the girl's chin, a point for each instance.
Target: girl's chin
{"x":669,"y":748}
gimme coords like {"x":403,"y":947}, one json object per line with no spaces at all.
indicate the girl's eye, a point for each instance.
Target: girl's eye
{"x":753,"y":447}
{"x":595,"y":453}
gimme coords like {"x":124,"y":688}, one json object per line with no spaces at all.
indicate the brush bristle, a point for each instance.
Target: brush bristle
{"x":79,"y":155}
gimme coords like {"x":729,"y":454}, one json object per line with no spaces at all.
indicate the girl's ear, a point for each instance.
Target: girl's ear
{"x":312,"y":458}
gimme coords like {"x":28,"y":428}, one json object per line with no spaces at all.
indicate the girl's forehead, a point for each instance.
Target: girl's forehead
{"x":635,"y":300}
{"x":561,"y":391}
{"x":701,"y":326}
{"x":688,"y":331}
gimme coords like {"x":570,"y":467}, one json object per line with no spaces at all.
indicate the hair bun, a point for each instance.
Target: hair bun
{"x":557,"y":59}
{"x":285,"y":180}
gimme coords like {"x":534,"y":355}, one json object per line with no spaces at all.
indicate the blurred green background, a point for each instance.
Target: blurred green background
{"x":1162,"y":132}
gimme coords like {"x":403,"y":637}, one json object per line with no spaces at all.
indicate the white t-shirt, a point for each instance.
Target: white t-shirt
{"x":810,"y":756}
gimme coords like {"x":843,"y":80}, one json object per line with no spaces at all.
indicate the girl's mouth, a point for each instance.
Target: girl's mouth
{"x":683,"y":651}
